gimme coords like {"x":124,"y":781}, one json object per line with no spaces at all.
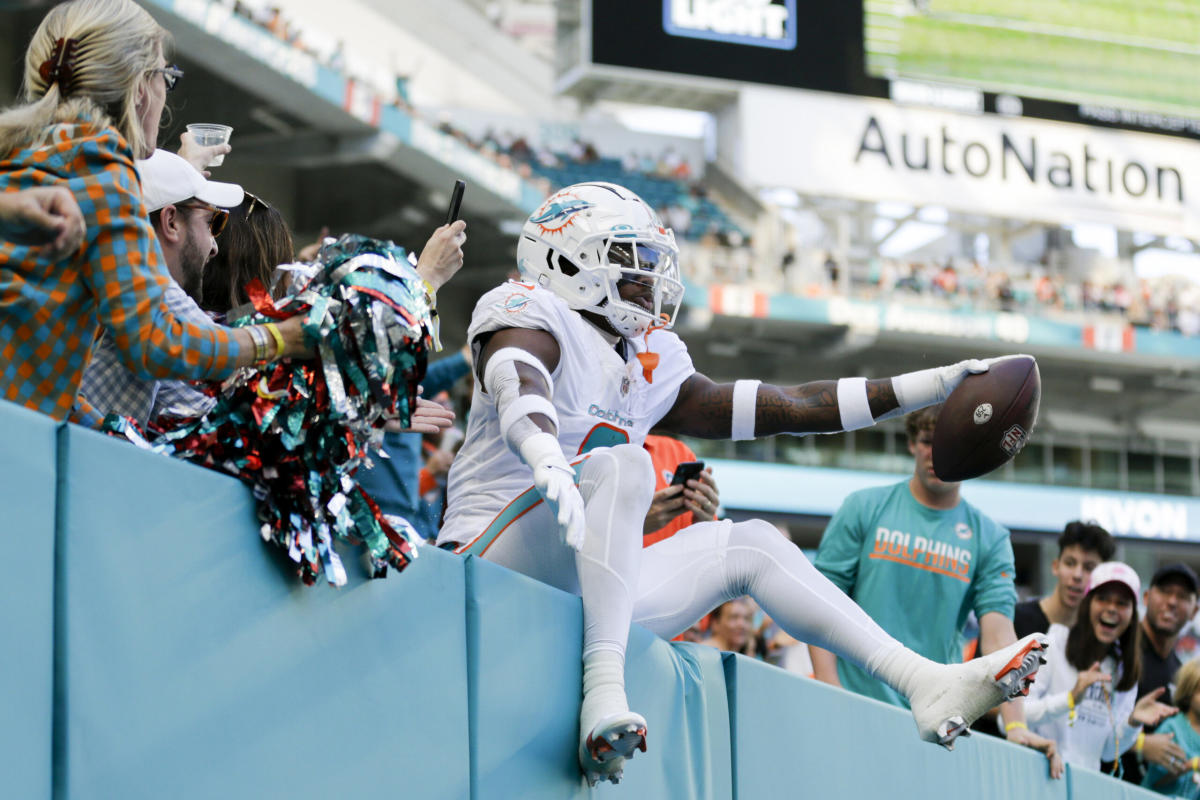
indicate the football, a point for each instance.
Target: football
{"x":987,"y":419}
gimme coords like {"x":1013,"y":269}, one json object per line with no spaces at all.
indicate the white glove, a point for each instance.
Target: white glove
{"x":555,"y":481}
{"x":916,"y":390}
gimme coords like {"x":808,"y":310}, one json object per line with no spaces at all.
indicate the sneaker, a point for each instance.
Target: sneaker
{"x":602,"y":752}
{"x":947,"y":699}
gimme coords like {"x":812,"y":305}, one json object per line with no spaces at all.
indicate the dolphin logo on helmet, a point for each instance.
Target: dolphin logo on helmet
{"x":554,"y":215}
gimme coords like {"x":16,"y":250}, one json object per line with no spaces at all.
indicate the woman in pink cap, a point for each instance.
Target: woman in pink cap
{"x":1085,"y":694}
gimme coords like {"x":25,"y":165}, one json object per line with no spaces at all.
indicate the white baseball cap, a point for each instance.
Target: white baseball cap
{"x":1115,"y":572}
{"x":168,"y":178}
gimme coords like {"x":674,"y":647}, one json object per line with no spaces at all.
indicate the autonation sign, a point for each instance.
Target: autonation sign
{"x":875,"y":150}
{"x":759,"y":23}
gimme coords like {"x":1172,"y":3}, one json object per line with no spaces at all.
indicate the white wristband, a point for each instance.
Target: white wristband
{"x":543,"y":449}
{"x":745,"y":403}
{"x":853,"y":407}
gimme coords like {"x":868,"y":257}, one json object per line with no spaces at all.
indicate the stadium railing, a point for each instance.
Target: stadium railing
{"x":155,"y":647}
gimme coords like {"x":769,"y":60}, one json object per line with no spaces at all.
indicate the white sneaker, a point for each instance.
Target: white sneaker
{"x":948,"y":698}
{"x":613,"y":739}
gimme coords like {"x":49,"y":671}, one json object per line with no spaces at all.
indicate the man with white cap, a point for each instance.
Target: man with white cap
{"x":187,"y":212}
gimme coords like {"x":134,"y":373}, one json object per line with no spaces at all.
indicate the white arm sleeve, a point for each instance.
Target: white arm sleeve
{"x":553,"y":475}
{"x":503,"y":384}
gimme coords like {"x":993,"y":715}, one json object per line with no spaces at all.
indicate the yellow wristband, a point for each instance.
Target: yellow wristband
{"x":1070,"y":708}
{"x":1017,"y":724}
{"x":277,"y":336}
{"x":1140,"y":743}
{"x":1194,"y":763}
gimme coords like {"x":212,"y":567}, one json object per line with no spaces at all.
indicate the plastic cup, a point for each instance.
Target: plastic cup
{"x":207,"y":134}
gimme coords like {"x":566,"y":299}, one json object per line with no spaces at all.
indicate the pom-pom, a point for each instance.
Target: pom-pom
{"x":296,"y":431}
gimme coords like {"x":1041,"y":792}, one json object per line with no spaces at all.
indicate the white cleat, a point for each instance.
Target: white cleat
{"x":948,"y":699}
{"x":613,"y":739}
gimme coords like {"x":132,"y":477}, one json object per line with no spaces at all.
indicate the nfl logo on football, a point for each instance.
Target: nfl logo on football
{"x":1014,"y":439}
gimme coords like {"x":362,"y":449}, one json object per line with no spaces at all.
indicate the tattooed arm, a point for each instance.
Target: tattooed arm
{"x":704,"y":408}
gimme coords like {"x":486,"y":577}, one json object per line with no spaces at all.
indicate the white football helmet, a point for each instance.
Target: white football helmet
{"x":588,"y":240}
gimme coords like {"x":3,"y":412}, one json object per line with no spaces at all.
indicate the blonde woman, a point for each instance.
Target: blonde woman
{"x":95,"y":84}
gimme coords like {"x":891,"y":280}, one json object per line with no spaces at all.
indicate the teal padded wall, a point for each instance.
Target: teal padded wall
{"x":188,"y":662}
{"x":525,"y":688}
{"x":524,"y":641}
{"x":27,"y":497}
{"x":791,"y":732}
{"x":1088,"y":785}
{"x":197,"y":666}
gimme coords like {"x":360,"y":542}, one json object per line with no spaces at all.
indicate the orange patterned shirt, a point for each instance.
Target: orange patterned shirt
{"x":51,"y":311}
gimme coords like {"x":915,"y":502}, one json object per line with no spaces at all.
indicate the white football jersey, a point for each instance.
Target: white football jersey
{"x":601,"y":400}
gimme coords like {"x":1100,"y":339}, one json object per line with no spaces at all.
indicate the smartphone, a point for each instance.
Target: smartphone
{"x":686,"y":471}
{"x":456,"y":196}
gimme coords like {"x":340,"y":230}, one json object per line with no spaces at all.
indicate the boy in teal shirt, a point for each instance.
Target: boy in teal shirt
{"x":918,"y":558}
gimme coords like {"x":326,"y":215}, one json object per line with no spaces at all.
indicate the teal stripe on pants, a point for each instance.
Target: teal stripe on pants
{"x":525,"y":501}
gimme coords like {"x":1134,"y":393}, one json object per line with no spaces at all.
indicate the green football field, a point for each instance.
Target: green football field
{"x":1138,"y":54}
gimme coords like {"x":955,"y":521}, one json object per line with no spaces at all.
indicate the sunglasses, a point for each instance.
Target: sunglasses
{"x":219,"y":218}
{"x":255,"y":202}
{"x":171,"y":75}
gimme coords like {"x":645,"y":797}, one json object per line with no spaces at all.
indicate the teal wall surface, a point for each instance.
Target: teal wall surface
{"x":28,"y":486}
{"x":155,"y":647}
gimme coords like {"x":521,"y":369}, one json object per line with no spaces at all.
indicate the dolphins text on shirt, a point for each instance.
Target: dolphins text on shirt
{"x":612,"y":416}
{"x":927,"y":554}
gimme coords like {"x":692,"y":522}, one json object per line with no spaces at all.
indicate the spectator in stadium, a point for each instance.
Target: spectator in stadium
{"x":95,"y":85}
{"x":1170,"y":605}
{"x":187,"y":212}
{"x":730,"y":628}
{"x":394,"y":482}
{"x":48,"y":216}
{"x":676,"y":507}
{"x":255,"y":241}
{"x":439,"y":451}
{"x":1179,"y":780}
{"x":918,"y":558}
{"x":1085,"y":697}
{"x":585,"y":345}
{"x":1082,"y":546}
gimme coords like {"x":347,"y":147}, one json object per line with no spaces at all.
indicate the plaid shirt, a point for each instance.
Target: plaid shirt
{"x":110,"y":387}
{"x":49,"y":311}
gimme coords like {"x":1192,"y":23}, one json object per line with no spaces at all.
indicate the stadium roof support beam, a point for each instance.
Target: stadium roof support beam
{"x":899,"y":223}
{"x":1157,"y":241}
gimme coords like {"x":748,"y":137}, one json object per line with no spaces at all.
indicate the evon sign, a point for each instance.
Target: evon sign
{"x":759,"y":23}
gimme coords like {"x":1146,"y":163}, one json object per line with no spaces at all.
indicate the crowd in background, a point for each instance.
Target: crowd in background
{"x":1167,"y":303}
{"x":722,"y":251}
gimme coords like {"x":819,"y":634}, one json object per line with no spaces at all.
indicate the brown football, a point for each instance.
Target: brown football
{"x":987,"y":419}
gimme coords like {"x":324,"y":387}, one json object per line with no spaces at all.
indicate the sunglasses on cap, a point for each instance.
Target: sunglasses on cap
{"x":219,"y":218}
{"x":171,"y":75}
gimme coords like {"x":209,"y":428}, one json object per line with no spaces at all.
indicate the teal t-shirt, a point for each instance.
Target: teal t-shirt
{"x":1187,"y":738}
{"x":917,"y":571}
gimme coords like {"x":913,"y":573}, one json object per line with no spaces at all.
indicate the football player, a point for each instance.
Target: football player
{"x":576,"y":363}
